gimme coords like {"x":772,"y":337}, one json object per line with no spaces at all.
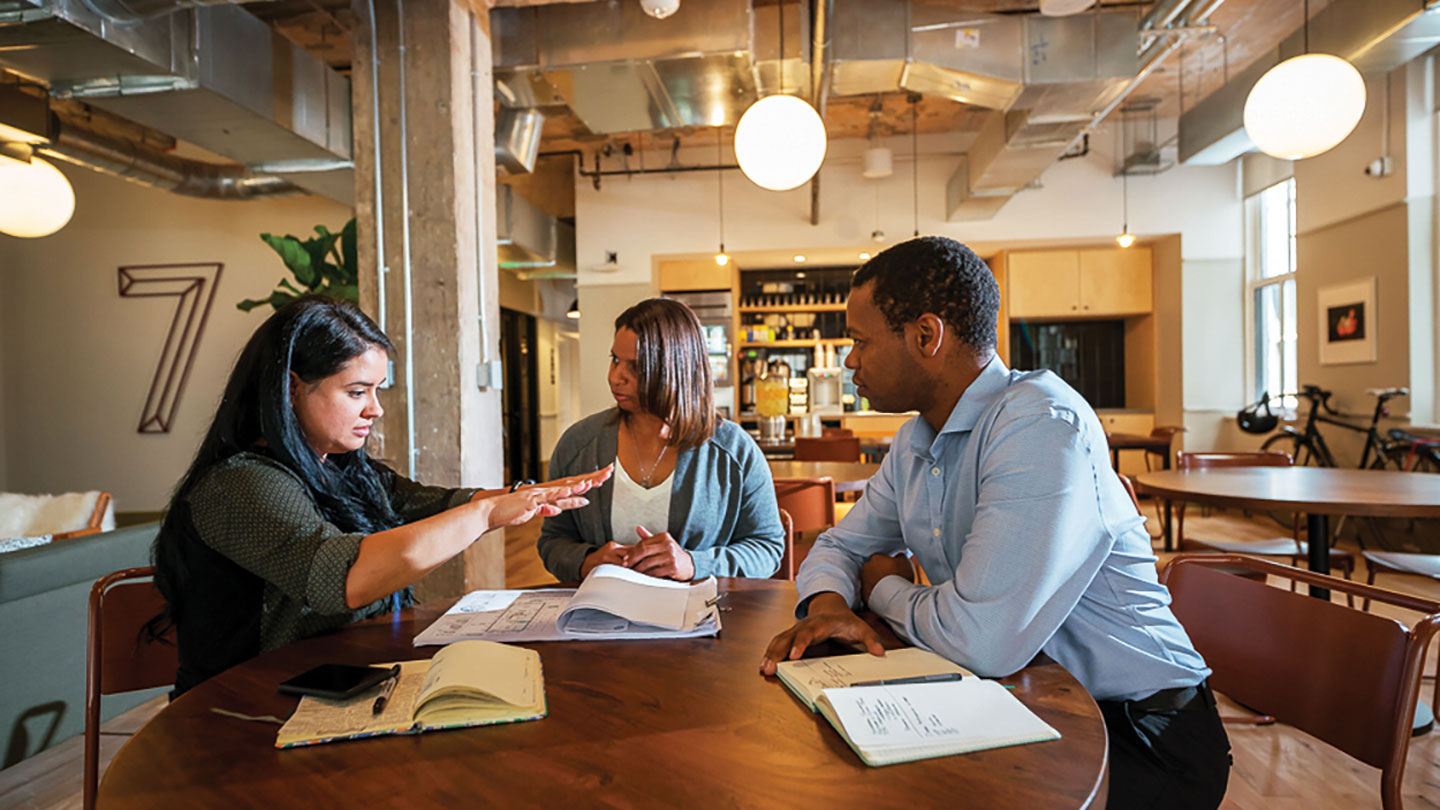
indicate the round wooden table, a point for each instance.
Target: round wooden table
{"x":1317,"y":492}
{"x":683,"y":723}
{"x":849,"y":476}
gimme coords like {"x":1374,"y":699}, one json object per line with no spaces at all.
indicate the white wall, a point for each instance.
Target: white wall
{"x":78,"y":359}
{"x":639,"y":217}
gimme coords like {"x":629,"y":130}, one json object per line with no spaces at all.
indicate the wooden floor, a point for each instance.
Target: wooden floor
{"x":1276,"y":767}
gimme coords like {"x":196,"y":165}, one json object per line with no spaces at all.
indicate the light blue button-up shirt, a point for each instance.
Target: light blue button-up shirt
{"x":1029,"y":538}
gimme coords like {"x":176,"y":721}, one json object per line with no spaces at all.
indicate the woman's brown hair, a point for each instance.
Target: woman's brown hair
{"x":672,"y":371}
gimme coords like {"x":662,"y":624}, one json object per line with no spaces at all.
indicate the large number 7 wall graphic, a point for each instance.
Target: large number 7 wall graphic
{"x":194,"y":285}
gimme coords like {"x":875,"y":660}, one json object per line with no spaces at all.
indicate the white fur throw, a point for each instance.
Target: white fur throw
{"x":29,"y":515}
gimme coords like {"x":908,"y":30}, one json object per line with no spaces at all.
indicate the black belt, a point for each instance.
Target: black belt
{"x":1179,"y":699}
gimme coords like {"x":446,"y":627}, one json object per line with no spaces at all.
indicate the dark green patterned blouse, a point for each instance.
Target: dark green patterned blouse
{"x":264,"y":567}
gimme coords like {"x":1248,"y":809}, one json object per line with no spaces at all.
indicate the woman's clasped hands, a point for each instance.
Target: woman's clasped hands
{"x":657,"y":555}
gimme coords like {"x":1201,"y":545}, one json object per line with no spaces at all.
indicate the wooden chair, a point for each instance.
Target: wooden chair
{"x":1292,"y":548}
{"x":1166,"y":432}
{"x":810,"y":502}
{"x":1400,"y":562}
{"x":118,"y":657}
{"x":1348,"y":677}
{"x":787,"y":559}
{"x":831,"y":448}
{"x":836,"y":433}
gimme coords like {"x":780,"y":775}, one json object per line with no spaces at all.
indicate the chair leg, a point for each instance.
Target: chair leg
{"x":1370,"y":580}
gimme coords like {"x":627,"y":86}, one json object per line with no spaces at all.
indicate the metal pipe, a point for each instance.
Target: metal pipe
{"x":819,"y":87}
{"x":411,"y":450}
{"x":1149,"y":60}
{"x":1163,"y":13}
{"x":129,"y":12}
{"x":120,"y":158}
{"x":382,"y":271}
{"x":480,"y":253}
{"x":669,"y":170}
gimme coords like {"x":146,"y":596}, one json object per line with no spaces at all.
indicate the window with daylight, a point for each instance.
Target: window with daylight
{"x":1270,"y":223}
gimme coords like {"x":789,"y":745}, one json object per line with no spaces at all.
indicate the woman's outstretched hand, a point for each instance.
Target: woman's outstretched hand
{"x":544,"y":500}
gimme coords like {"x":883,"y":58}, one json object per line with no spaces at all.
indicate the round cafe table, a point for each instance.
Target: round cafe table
{"x":1317,"y":492}
{"x":664,"y":724}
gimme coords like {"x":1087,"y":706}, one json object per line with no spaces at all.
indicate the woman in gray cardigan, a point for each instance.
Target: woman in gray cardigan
{"x":691,"y":495}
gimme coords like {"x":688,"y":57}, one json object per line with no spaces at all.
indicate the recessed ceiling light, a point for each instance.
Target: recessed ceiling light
{"x":799,"y":259}
{"x":799,"y":275}
{"x":864,"y":257}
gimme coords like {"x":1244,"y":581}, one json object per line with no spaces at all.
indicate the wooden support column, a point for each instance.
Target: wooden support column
{"x":436,"y":153}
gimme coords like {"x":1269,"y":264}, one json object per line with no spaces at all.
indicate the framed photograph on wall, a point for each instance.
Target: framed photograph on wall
{"x":1347,"y":323}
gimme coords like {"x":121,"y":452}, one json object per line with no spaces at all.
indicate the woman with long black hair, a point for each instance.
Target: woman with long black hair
{"x":283,"y":527}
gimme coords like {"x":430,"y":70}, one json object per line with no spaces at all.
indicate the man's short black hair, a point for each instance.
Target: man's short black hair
{"x":939,"y":275}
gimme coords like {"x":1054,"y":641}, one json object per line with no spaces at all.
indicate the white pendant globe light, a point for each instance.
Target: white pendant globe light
{"x":35,"y":198}
{"x":1304,"y":106}
{"x":780,"y":142}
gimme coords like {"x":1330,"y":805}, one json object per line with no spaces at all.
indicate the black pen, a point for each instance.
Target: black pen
{"x":385,"y":693}
{"x":937,"y":678}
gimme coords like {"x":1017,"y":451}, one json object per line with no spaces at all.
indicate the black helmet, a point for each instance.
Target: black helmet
{"x":1256,"y":417}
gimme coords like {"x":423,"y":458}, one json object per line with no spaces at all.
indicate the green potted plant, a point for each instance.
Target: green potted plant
{"x":324,"y":264}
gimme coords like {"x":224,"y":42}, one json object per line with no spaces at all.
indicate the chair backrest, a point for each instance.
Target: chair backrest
{"x":834,"y":432}
{"x":810,"y":501}
{"x":1249,"y":458}
{"x":1348,"y":677}
{"x":787,"y":559}
{"x":1130,"y":490}
{"x":119,"y":657}
{"x":827,"y":448}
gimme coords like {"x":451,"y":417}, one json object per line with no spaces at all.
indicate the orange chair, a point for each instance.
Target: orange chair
{"x":1348,"y":677}
{"x":827,"y":448}
{"x":118,"y":656}
{"x":810,"y":502}
{"x":1292,"y":548}
{"x":787,"y":559}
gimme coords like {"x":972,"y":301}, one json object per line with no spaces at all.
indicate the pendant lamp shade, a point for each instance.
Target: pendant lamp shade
{"x":780,"y":142}
{"x":35,"y":198}
{"x":1304,"y":106}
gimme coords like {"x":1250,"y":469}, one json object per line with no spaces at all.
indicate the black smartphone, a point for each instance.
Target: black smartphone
{"x":335,"y":681}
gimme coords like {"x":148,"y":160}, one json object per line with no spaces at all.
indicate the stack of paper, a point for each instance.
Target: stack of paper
{"x":612,"y":603}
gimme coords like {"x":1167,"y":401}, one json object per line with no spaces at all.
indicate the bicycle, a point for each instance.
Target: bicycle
{"x":1308,"y":447}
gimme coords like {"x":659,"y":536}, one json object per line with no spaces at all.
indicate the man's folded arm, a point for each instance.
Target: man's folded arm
{"x":1035,"y":545}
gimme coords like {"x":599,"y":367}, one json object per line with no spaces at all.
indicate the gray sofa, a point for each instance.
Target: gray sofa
{"x":44,"y":596}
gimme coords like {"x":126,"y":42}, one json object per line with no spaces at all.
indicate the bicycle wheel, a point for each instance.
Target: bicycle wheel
{"x":1299,"y":452}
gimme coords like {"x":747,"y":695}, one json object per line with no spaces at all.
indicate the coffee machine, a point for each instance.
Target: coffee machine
{"x":825,"y":388}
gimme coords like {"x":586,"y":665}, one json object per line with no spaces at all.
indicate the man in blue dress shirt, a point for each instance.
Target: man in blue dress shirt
{"x":1002,"y":490}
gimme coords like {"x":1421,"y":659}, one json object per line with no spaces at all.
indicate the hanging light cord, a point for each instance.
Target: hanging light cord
{"x":915,"y":162}
{"x":720,"y":181}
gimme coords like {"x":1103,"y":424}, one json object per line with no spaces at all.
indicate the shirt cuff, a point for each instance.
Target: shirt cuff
{"x":890,"y":600}
{"x":329,"y":569}
{"x":847,"y":589}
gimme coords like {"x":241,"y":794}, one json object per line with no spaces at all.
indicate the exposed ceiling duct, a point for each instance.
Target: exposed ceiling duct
{"x":1377,"y":36}
{"x":1045,"y":77}
{"x":620,"y":70}
{"x":215,"y":76}
{"x":531,"y":240}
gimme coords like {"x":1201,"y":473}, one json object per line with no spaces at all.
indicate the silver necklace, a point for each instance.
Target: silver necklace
{"x":645,"y":479}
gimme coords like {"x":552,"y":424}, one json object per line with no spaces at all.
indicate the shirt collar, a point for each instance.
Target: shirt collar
{"x":991,"y":382}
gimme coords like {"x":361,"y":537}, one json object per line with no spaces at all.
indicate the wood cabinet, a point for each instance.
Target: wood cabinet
{"x":1085,"y":283}
{"x":694,"y":275}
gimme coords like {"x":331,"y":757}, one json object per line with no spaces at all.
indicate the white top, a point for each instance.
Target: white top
{"x":634,"y":505}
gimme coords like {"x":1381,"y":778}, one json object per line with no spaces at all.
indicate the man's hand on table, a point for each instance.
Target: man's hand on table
{"x":880,"y":566}
{"x":829,"y":618}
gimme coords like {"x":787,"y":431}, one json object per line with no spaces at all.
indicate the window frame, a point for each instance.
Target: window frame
{"x":1255,"y":281}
